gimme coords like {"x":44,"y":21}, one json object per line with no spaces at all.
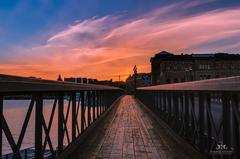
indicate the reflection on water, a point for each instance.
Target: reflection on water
{"x":15,"y":112}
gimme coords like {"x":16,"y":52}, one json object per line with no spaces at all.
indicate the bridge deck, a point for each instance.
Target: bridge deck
{"x":130,"y":132}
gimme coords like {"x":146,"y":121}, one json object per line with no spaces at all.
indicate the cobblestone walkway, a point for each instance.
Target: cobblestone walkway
{"x":132,"y":133}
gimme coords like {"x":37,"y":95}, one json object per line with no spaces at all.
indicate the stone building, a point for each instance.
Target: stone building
{"x":169,"y":68}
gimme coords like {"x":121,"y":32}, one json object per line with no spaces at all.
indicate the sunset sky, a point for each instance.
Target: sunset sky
{"x":106,"y":38}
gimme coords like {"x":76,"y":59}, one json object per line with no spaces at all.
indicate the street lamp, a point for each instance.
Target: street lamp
{"x":135,"y":77}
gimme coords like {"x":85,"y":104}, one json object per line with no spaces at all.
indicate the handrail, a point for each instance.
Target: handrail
{"x":9,"y":84}
{"x":22,"y":86}
{"x":219,"y":84}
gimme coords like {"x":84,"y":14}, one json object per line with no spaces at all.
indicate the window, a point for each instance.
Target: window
{"x":204,"y":67}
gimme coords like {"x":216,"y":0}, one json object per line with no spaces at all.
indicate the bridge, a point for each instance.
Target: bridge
{"x":199,"y":119}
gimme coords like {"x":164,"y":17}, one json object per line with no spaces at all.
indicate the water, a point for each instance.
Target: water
{"x":15,"y":112}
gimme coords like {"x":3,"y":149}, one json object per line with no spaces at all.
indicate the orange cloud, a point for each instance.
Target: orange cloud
{"x":109,"y":46}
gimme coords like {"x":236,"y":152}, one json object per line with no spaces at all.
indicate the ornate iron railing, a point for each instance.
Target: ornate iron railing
{"x":85,"y":103}
{"x":205,"y":113}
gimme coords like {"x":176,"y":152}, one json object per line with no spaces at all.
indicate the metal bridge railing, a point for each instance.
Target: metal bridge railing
{"x":205,"y":113}
{"x":75,"y":107}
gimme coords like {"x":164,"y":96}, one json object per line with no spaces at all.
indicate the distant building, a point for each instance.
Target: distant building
{"x":169,"y":68}
{"x":143,"y":79}
{"x":95,"y":81}
{"x":59,"y":78}
{"x":80,"y":80}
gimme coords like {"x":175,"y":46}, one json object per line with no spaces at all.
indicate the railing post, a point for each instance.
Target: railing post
{"x":74,"y":116}
{"x":160,"y":105}
{"x":38,"y":127}
{"x":153,"y":103}
{"x":236,"y":125}
{"x":164,"y":106}
{"x":1,"y":115}
{"x":181,"y":114}
{"x":169,"y":107}
{"x":209,"y":126}
{"x":97,"y":102}
{"x":94,"y":103}
{"x":107,"y":99}
{"x":103,"y":101}
{"x":101,"y":104}
{"x":193,"y":115}
{"x":226,"y":120}
{"x":186,"y":115}
{"x":151,"y":94}
{"x":156,"y":102}
{"x":60,"y":122}
{"x":176,"y":108}
{"x":201,"y":121}
{"x":89,"y":107}
{"x":82,"y":110}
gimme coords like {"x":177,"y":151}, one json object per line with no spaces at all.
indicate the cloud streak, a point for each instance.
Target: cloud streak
{"x":101,"y":46}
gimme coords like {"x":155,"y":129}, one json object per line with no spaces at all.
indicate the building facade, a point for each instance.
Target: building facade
{"x":169,"y":68}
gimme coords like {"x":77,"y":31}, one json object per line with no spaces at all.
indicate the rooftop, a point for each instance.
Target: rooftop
{"x":217,"y":56}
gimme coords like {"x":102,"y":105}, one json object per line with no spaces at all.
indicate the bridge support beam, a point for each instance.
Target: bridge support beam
{"x":74,"y":116}
{"x":94,"y":104}
{"x":1,"y":116}
{"x":226,"y":115}
{"x":60,"y":122}
{"x":209,"y":126}
{"x":97,"y":102}
{"x":236,"y":129}
{"x":89,"y":107}
{"x":201,"y":122}
{"x":38,"y":126}
{"x":82,"y":110}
